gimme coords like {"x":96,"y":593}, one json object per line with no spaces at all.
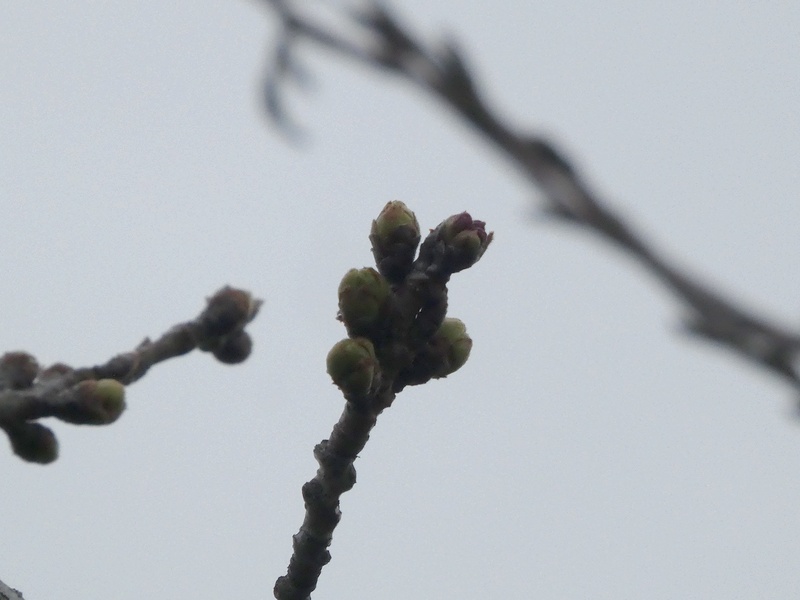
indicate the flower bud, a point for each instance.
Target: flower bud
{"x":33,"y":442}
{"x":17,"y":370}
{"x":55,"y":371}
{"x":395,"y":236}
{"x":363,"y":294}
{"x":465,"y":239}
{"x":455,"y":346}
{"x":234,"y":349}
{"x":395,"y":223}
{"x":352,"y":365}
{"x":455,"y":224}
{"x":95,"y":403}
{"x":228,"y":309}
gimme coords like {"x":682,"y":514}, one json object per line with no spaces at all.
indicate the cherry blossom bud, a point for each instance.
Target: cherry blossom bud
{"x":395,"y":236}
{"x":33,"y":442}
{"x":465,"y":239}
{"x":352,"y":365}
{"x":234,"y":349}
{"x":363,"y":294}
{"x":95,"y":402}
{"x":455,"y":346}
{"x":228,"y":309}
{"x":55,"y":371}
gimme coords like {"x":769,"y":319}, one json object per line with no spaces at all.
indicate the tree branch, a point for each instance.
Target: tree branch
{"x":398,"y":337}
{"x":95,"y":395}
{"x":375,"y":38}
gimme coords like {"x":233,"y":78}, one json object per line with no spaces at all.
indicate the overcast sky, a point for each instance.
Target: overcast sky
{"x":588,"y":450}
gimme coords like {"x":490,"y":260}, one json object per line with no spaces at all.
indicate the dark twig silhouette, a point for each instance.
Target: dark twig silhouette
{"x":375,"y":38}
{"x":95,"y":395}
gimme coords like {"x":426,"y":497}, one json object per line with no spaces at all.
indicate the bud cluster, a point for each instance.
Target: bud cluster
{"x":395,"y":316}
{"x":221,"y":326}
{"x":96,"y":395}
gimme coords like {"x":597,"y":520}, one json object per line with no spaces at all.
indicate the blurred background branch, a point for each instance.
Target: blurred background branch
{"x":373,"y":36}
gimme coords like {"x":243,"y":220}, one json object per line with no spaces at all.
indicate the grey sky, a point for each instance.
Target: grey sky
{"x":587,"y":450}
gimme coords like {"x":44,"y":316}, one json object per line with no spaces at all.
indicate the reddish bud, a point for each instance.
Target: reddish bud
{"x":465,"y":239}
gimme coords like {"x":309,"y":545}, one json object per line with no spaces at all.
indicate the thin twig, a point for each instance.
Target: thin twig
{"x":94,"y":395}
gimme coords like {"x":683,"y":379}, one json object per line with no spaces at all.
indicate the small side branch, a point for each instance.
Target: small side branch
{"x":95,"y":395}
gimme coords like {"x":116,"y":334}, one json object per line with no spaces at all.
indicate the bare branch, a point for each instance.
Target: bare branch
{"x":382,"y":42}
{"x":95,"y":395}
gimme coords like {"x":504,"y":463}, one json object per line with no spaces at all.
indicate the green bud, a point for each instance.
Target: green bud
{"x":362,"y":298}
{"x":468,"y":243}
{"x":395,"y":236}
{"x":395,"y":223}
{"x":95,"y":402}
{"x":456,"y":345}
{"x":352,"y":365}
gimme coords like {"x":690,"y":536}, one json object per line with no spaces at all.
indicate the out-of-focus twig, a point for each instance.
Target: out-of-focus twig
{"x":95,"y":395}
{"x":375,"y":38}
{"x":7,"y":593}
